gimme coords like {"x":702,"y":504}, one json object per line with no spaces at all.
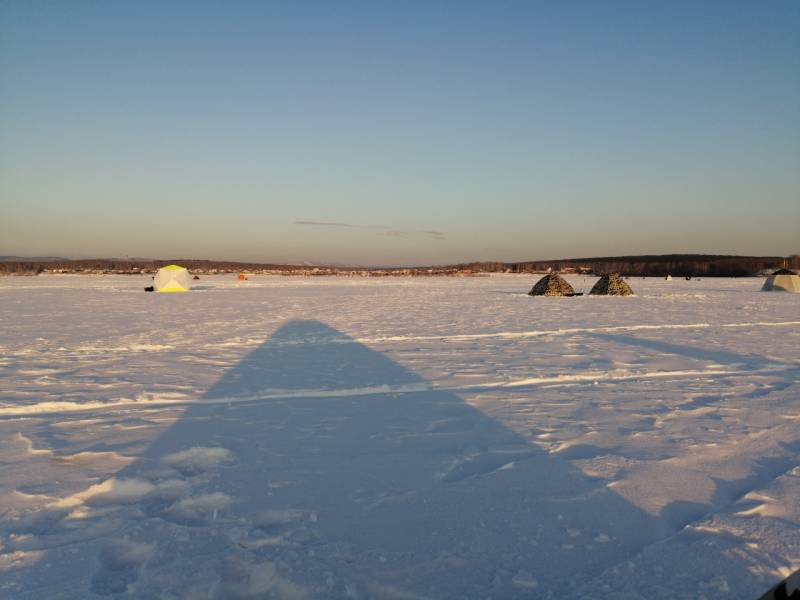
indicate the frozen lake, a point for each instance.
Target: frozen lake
{"x":396,"y":438}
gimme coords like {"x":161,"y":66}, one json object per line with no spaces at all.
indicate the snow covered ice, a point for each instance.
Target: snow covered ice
{"x":396,"y":439}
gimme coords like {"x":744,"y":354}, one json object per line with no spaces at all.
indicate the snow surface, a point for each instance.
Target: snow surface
{"x":396,"y":439}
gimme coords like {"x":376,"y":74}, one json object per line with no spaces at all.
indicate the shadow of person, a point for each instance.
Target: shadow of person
{"x":714,"y":355}
{"x":318,"y":467}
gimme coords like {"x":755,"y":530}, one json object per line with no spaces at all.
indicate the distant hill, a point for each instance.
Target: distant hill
{"x":707,"y":265}
{"x":32,"y":258}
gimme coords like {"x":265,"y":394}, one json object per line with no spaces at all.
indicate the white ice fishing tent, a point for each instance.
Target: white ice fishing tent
{"x":782,"y":280}
{"x":172,"y":278}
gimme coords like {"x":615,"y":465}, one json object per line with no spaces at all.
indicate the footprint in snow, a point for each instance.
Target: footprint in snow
{"x":290,"y":527}
{"x":120,"y":564}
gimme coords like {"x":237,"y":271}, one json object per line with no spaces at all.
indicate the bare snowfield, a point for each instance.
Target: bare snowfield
{"x":396,"y":439}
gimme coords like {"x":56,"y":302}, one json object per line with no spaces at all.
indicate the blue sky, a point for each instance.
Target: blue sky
{"x":398,"y":132}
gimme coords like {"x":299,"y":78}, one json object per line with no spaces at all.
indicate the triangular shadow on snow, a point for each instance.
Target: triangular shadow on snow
{"x":360,"y":489}
{"x":267,"y":488}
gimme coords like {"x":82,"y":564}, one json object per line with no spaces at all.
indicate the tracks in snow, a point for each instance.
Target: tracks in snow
{"x":587,"y":378}
{"x":138,"y":348}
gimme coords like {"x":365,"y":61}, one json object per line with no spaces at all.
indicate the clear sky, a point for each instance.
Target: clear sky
{"x":376,"y":132}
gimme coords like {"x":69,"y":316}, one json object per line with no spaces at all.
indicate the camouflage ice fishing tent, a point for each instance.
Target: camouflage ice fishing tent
{"x":552,"y":285}
{"x":611,"y":284}
{"x":782,"y":280}
{"x":172,"y":278}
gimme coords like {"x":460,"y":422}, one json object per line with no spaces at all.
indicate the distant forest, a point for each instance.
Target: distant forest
{"x":695,"y":265}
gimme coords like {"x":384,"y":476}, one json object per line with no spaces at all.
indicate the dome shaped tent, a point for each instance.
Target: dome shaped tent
{"x":782,"y":280}
{"x":611,"y":284}
{"x":552,"y":285}
{"x":172,"y":278}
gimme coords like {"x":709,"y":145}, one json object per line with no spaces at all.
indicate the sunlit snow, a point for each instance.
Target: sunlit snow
{"x":396,"y":438}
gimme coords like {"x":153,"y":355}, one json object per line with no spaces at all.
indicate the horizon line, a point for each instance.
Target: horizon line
{"x":337,"y":265}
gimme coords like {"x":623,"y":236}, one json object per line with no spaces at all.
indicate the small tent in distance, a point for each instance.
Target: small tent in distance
{"x":172,"y":278}
{"x":552,"y":285}
{"x":782,"y":280}
{"x":611,"y":284}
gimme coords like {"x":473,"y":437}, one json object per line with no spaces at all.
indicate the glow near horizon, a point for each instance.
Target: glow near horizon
{"x":380,"y":133}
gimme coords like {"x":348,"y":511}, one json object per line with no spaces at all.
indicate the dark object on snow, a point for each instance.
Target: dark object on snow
{"x":150,"y":288}
{"x":552,"y":285}
{"x":788,"y":589}
{"x":688,"y":278}
{"x":611,"y":284}
{"x":195,"y":277}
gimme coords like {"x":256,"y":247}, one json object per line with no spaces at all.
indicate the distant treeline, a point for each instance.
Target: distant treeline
{"x":695,"y":265}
